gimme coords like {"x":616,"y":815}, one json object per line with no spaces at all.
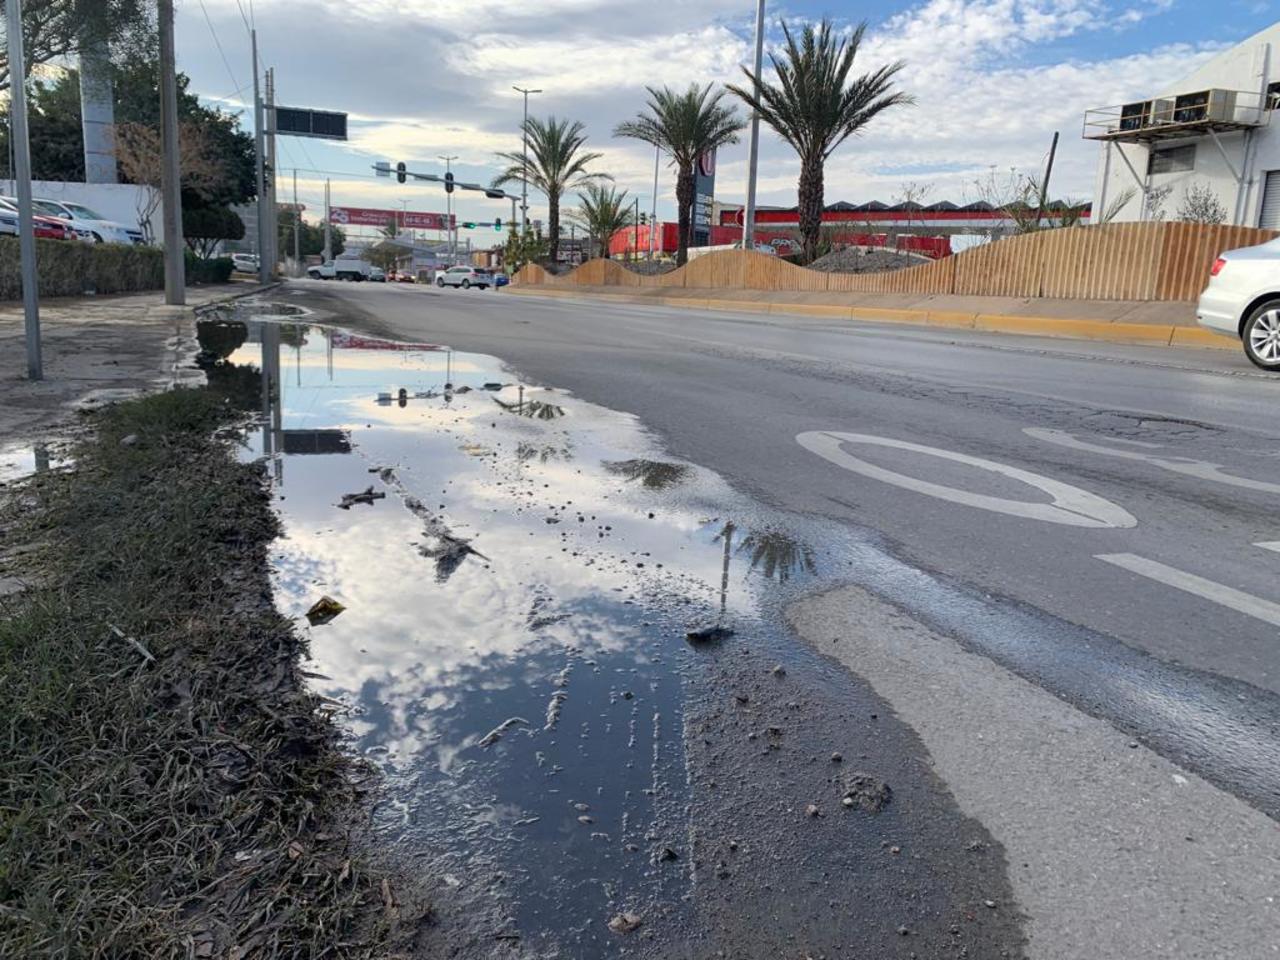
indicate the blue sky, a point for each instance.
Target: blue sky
{"x":993,"y":79}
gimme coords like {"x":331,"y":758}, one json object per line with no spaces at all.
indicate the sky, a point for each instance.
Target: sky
{"x":993,"y":80}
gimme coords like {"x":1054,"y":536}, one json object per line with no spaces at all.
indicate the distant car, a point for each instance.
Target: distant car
{"x":377,"y":275}
{"x":1242,"y":300}
{"x":342,"y":268}
{"x":47,"y":228}
{"x":405,"y":277}
{"x":244,"y":262}
{"x":465,"y":277}
{"x":500,"y":280}
{"x":86,"y":223}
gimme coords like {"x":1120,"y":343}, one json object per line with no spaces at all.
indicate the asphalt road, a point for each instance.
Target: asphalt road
{"x":1099,"y":520}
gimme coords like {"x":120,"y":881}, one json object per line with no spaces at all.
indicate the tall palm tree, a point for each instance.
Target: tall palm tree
{"x":815,"y":106}
{"x":557,"y":162}
{"x":602,"y":211}
{"x":684,"y":125}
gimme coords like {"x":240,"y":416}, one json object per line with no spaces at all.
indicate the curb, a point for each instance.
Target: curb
{"x":1070,"y":328}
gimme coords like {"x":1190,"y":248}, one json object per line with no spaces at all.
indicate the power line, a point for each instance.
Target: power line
{"x":218,"y":43}
{"x":242,"y":16}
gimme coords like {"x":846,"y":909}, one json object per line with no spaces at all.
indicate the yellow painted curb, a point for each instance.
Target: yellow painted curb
{"x":1079,"y":329}
{"x":741,"y":306}
{"x":1200,"y":337}
{"x":813,"y":309}
{"x":951,"y":318}
{"x":888,"y":314}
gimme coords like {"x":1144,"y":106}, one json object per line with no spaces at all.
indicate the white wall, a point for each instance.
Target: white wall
{"x":1249,"y":66}
{"x":123,"y":202}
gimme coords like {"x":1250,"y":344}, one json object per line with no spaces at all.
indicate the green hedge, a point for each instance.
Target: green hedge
{"x":212,"y":270}
{"x":69,"y":268}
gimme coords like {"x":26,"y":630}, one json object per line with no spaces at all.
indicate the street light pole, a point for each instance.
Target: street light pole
{"x":653,"y":219}
{"x":327,"y":243}
{"x":753,"y":154}
{"x":175,"y":292}
{"x":524,"y":166}
{"x":448,"y":211}
{"x":259,"y":167}
{"x":22,"y":175}
{"x":297,"y":228}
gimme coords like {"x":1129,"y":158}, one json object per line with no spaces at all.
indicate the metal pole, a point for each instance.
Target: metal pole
{"x":22,"y":160}
{"x":653,"y":219}
{"x":328,"y":247}
{"x":273,"y":231}
{"x":635,"y":231}
{"x":448,"y":199}
{"x":524,"y":164}
{"x":297,"y":228}
{"x":1044,"y":185}
{"x":753,"y":152}
{"x":175,"y":292}
{"x":259,"y":165}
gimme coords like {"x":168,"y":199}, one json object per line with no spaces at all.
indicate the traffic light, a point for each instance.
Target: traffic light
{"x":448,"y":183}
{"x":468,"y":225}
{"x":400,"y":172}
{"x":644,"y":219}
{"x":497,"y":224}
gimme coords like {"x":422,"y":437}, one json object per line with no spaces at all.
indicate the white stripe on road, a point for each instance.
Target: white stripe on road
{"x":1071,"y":505}
{"x":1269,"y":545}
{"x":1219,"y":593}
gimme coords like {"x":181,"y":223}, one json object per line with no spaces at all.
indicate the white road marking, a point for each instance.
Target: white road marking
{"x":1201,"y":469}
{"x":1269,"y":545}
{"x":1219,"y":593}
{"x":1071,"y":505}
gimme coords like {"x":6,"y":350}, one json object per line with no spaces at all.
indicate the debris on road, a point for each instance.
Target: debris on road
{"x":868,"y":792}
{"x":494,"y":735}
{"x":708,"y":634}
{"x":625,"y":923}
{"x":323,"y":611}
{"x":368,"y":495}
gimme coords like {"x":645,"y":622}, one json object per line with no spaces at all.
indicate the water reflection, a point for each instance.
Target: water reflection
{"x":654,"y":474}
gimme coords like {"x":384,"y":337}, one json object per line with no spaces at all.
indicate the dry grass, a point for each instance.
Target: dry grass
{"x":167,"y":787}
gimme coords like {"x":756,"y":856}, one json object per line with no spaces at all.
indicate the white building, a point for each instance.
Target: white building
{"x":1210,"y":133}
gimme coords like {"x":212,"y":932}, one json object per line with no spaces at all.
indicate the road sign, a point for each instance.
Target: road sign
{"x":373,"y":217}
{"x":382,"y":168}
{"x":302,"y":122}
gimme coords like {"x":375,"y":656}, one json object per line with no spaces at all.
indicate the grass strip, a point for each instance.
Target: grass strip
{"x":167,"y":786}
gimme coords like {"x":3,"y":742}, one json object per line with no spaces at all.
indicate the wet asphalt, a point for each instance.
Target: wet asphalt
{"x":1190,"y":670}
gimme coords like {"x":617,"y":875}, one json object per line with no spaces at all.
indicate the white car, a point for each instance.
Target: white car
{"x":88,"y":224}
{"x":341,"y":268}
{"x":244,"y":262}
{"x":1242,"y":300}
{"x":465,"y":277}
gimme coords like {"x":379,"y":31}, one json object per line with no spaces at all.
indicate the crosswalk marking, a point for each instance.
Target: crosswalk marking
{"x":1219,"y":593}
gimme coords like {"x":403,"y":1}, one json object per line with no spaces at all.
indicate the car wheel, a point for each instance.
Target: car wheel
{"x":440,"y":282}
{"x":97,"y":237}
{"x":1262,"y":336}
{"x":466,"y":284}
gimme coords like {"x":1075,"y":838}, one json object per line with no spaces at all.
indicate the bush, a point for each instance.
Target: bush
{"x":213,"y":270}
{"x":69,"y":268}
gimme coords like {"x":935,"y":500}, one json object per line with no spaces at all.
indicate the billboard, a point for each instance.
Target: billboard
{"x":302,"y":122}
{"x":704,"y":191}
{"x":405,"y":219}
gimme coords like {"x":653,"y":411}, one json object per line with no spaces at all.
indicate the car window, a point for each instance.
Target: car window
{"x":83,"y":212}
{"x":49,"y":209}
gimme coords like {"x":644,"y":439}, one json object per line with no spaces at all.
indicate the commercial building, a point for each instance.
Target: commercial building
{"x":1206,"y":141}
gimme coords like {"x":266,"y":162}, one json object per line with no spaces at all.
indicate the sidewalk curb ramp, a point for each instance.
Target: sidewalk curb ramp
{"x":1073,"y":328}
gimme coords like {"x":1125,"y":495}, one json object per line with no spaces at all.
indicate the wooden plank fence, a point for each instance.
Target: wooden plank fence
{"x":1121,"y":261}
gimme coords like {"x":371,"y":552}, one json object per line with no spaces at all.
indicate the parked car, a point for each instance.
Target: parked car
{"x":1242,"y":300}
{"x":377,"y":275}
{"x":342,"y":268}
{"x":46,"y":228}
{"x":405,"y":277}
{"x":465,"y":277}
{"x":500,"y":279}
{"x":86,"y":223}
{"x":244,"y":262}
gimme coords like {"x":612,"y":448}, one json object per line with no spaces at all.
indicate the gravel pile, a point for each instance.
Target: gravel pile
{"x":650,"y":267}
{"x":854,"y":260}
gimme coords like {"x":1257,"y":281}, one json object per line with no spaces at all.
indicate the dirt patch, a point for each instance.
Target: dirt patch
{"x":167,"y":786}
{"x":857,"y":260}
{"x":649,"y":268}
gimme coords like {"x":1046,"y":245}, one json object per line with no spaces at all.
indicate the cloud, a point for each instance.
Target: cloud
{"x":993,"y":79}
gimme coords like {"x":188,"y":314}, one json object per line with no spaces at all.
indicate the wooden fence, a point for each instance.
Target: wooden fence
{"x":1121,"y":261}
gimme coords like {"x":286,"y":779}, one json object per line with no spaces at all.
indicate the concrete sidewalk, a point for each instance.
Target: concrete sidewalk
{"x":96,"y":349}
{"x":1163,"y":323}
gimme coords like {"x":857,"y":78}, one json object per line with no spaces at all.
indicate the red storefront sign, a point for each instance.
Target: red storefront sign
{"x":405,"y":219}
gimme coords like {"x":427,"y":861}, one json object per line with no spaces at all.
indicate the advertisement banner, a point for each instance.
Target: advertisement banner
{"x":405,"y":219}
{"x":704,"y":198}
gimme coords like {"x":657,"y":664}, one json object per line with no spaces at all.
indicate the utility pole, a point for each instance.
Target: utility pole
{"x":1044,"y":184}
{"x":259,"y":166}
{"x":653,"y":219}
{"x":297,"y":228}
{"x":22,"y":175}
{"x":328,"y":246}
{"x":635,"y":230}
{"x":175,"y":283}
{"x":753,"y":151}
{"x":448,"y":205}
{"x":273,"y":218}
{"x":524,"y":166}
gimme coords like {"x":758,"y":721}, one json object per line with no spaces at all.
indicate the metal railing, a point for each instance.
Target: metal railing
{"x":1184,"y":114}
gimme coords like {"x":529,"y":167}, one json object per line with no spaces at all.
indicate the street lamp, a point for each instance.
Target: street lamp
{"x":524,"y":166}
{"x":753,"y":154}
{"x":448,"y":209}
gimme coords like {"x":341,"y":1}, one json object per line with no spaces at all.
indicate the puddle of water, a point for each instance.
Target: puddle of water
{"x":22,"y":459}
{"x":517,"y":589}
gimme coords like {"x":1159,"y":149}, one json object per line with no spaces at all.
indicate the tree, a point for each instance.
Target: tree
{"x":1201,"y":205}
{"x":1153,"y":205}
{"x":685,"y":126}
{"x":140,"y":156}
{"x":523,"y":246}
{"x":311,"y":240}
{"x":205,"y":227}
{"x":557,"y":162}
{"x":52,"y":29}
{"x":602,"y":212}
{"x":815,"y":106}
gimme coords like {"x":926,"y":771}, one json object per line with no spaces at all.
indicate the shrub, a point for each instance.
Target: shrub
{"x":212,"y":270}
{"x":68,"y":268}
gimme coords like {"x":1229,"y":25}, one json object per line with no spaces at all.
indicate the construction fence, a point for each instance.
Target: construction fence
{"x":1123,"y":261}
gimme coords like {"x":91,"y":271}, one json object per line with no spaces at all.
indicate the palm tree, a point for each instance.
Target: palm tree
{"x":815,"y":106}
{"x":602,"y":212}
{"x":557,"y":163}
{"x":685,"y":126}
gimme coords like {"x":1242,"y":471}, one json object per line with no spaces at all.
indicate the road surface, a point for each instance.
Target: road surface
{"x":1098,"y":522}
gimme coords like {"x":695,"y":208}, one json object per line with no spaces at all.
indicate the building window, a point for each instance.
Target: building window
{"x":1172,"y":160}
{"x":1273,"y":96}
